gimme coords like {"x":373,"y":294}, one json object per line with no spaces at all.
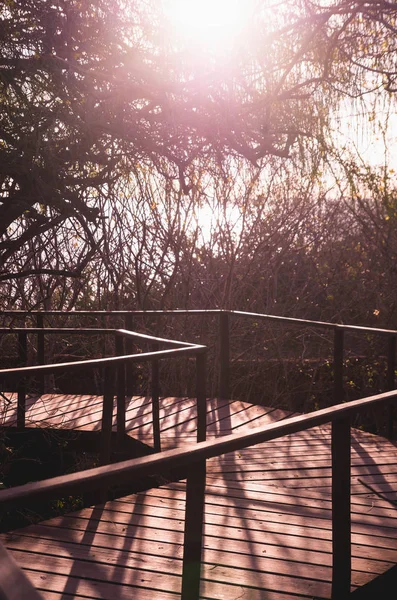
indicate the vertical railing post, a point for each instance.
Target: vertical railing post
{"x":102,"y":321}
{"x":129,"y":349}
{"x":341,"y":519}
{"x":224,"y":356}
{"x":107,"y":414}
{"x":119,"y":344}
{"x":338,"y":395}
{"x":156,"y":401}
{"x":40,"y":352}
{"x":391,"y":383}
{"x":201,"y":378}
{"x":194,"y":516}
{"x":22,"y":358}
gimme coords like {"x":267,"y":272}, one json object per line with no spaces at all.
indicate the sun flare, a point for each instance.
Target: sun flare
{"x":215,"y":23}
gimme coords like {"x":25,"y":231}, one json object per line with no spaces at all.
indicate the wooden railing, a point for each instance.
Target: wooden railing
{"x":338,"y":343}
{"x":224,"y":316}
{"x":113,"y":377}
{"x":194,"y":458}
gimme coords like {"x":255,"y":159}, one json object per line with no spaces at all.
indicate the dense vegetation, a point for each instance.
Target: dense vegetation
{"x":141,"y":170}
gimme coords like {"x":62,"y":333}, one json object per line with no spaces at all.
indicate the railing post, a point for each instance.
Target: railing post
{"x":201,"y":377}
{"x":40,"y":352}
{"x":103,"y":323}
{"x":155,"y":401}
{"x":194,"y":516}
{"x":119,"y":343}
{"x":341,"y":519}
{"x":22,"y":358}
{"x":391,"y":365}
{"x":129,"y":349}
{"x":107,"y":415}
{"x":338,"y":365}
{"x":224,"y":356}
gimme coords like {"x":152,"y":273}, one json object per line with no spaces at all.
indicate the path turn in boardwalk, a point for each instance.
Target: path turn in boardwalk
{"x":177,"y":416}
{"x":267,"y":515}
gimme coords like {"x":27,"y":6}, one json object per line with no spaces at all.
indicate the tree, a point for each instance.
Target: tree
{"x":91,"y":92}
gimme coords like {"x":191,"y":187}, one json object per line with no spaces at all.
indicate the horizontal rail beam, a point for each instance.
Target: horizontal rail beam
{"x":72,"y":313}
{"x":56,"y":330}
{"x":103,"y":362}
{"x":320,"y":324}
{"x":210,"y":311}
{"x":151,"y":338}
{"x":134,"y":468}
{"x":94,"y":331}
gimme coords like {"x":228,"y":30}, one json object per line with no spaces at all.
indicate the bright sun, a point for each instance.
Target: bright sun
{"x":214,"y":23}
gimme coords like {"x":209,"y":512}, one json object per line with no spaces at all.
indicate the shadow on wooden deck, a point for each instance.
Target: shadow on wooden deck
{"x":383,"y":587}
{"x":45,"y":452}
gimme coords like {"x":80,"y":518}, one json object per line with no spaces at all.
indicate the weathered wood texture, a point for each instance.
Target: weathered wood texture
{"x":259,"y":542}
{"x":267,"y":523}
{"x":178,"y":416}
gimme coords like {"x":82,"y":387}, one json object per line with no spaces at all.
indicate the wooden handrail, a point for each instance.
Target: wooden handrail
{"x":103,"y":362}
{"x":152,"y":338}
{"x":95,"y":331}
{"x":171,"y":459}
{"x":224,"y":344}
{"x":99,"y":313}
{"x":126,"y":471}
{"x":56,"y":330}
{"x":213,"y":311}
{"x":320,"y":324}
{"x":224,"y":349}
{"x":92,"y":331}
{"x":114,"y":379}
{"x":107,"y":475}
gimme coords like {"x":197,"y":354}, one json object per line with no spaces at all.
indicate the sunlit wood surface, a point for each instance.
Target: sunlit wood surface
{"x":177,"y":416}
{"x":267,"y":518}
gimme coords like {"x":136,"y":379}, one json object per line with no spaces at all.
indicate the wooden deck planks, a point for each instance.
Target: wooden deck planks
{"x":178,"y":421}
{"x":267,"y":532}
{"x":138,"y":543}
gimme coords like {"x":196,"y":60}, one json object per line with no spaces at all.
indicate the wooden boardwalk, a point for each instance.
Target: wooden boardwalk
{"x":267,"y":531}
{"x":177,"y":416}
